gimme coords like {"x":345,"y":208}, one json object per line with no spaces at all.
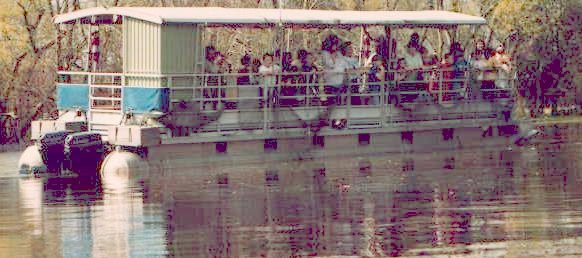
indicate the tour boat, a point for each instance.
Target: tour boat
{"x":156,"y":114}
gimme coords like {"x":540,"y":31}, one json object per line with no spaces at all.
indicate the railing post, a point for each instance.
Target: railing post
{"x":219,"y":91}
{"x":194,"y":87}
{"x":90,"y":106}
{"x":122,"y":89}
{"x":169,"y":85}
{"x":308,"y":97}
{"x":348,"y":99}
{"x":265,"y":105}
{"x":441,"y":87}
{"x":382,"y":100}
{"x":204,"y":88}
{"x":440,"y":100}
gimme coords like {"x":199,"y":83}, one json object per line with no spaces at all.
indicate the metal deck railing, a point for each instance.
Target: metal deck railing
{"x":221,"y":103}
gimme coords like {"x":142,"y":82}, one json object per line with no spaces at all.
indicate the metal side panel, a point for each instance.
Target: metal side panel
{"x":134,"y":135}
{"x":106,"y":118}
{"x":41,"y":127}
{"x":101,"y":120}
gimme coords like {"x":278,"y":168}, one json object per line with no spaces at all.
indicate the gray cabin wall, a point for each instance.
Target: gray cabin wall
{"x":142,"y":53}
{"x":181,"y":55}
{"x":178,"y":48}
{"x":163,"y":55}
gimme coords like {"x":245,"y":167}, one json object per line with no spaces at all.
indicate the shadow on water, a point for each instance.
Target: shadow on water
{"x":466,"y":203}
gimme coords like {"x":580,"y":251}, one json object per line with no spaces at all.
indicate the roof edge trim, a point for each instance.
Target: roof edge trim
{"x":95,"y":11}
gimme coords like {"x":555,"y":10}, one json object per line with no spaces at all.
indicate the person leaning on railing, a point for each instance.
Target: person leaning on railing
{"x":477,"y":63}
{"x":375,"y":78}
{"x":430,"y":72}
{"x":248,"y":100}
{"x":413,"y":65}
{"x":334,"y":74}
{"x":309,"y":76}
{"x":245,"y":72}
{"x":502,"y":62}
{"x":211,"y":69}
{"x":489,"y":76}
{"x":460,"y":66}
{"x":288,"y":80}
{"x":352,"y":71}
{"x":224,"y":81}
{"x":269,"y":73}
{"x":247,"y":94}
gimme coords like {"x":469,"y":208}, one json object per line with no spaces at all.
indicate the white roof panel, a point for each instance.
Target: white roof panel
{"x":218,"y":15}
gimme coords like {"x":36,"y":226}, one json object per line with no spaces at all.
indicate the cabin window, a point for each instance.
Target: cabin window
{"x":271,"y":176}
{"x":221,"y":147}
{"x":407,"y":137}
{"x":364,"y":139}
{"x":318,"y":141}
{"x":270,"y":145}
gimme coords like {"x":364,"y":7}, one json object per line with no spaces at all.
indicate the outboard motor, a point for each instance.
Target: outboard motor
{"x":51,"y":147}
{"x":83,"y":153}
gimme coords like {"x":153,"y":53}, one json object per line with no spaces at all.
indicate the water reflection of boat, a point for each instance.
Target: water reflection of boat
{"x":396,"y":205}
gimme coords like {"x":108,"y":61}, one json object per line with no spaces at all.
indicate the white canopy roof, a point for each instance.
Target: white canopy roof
{"x":218,"y":15}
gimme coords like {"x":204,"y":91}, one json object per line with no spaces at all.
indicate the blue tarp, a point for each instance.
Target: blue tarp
{"x":146,"y":99}
{"x":72,"y":96}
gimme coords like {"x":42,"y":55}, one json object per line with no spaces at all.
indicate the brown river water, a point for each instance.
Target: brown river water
{"x":486,"y":202}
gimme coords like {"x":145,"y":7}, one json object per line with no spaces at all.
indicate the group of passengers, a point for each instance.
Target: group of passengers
{"x":494,"y":65}
{"x":337,"y":71}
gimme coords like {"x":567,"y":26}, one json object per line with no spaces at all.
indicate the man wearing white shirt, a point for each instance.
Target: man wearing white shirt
{"x":413,"y":58}
{"x":335,"y":66}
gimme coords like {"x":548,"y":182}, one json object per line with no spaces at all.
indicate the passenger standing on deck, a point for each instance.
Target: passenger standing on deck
{"x":479,"y":48}
{"x":224,"y":69}
{"x":430,"y":62}
{"x":415,"y":84}
{"x":255,"y":64}
{"x":502,"y":63}
{"x":309,"y":75}
{"x":248,"y":102}
{"x":376,"y":78}
{"x":269,"y":73}
{"x":244,"y":77}
{"x":477,"y":63}
{"x":489,"y":75}
{"x":334,"y":69}
{"x":460,"y":66}
{"x":245,"y":72}
{"x":289,"y":71}
{"x":382,"y":45}
{"x":352,"y":72}
{"x":414,"y":62}
{"x":212,"y":78}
